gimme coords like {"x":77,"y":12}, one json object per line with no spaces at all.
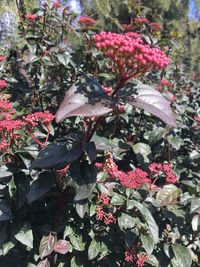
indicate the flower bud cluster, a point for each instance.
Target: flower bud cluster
{"x":107,"y":218}
{"x":56,"y":5}
{"x":39,"y":117}
{"x":2,"y":58}
{"x":129,"y":55}
{"x":31,"y":17}
{"x":3,"y":84}
{"x":86,"y":21}
{"x":158,"y":168}
{"x":141,"y":259}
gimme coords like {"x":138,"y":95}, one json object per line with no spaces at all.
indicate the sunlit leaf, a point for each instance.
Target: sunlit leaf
{"x":85,"y":98}
{"x":47,"y":244}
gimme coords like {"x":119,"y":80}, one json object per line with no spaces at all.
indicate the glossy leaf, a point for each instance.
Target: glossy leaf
{"x":82,"y":209}
{"x":152,"y":226}
{"x":148,"y":243}
{"x":85,"y":98}
{"x":25,"y":236}
{"x":47,"y":244}
{"x":94,"y":249}
{"x":40,"y":186}
{"x":167,"y":195}
{"x":84,"y":177}
{"x":57,"y":155}
{"x":62,"y":246}
{"x":151,"y":100}
{"x":44,"y":263}
{"x":182,"y":255}
{"x":126,"y":221}
{"x":142,"y":152}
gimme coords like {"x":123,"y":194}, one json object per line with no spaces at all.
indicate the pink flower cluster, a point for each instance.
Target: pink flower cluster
{"x":107,"y":90}
{"x":108,"y":218}
{"x":31,"y":17}
{"x":197,"y":119}
{"x":130,"y":254}
{"x":141,"y":259}
{"x":165,"y":82}
{"x":155,"y":26}
{"x":129,"y":55}
{"x":39,"y":117}
{"x":56,"y":5}
{"x":141,"y":20}
{"x":9,"y":126}
{"x":2,"y":58}
{"x":104,"y":198}
{"x":86,"y":21}
{"x":3,"y":84}
{"x":134,"y":179}
{"x":158,"y":168}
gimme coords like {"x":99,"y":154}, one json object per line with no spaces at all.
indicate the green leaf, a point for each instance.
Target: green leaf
{"x":142,"y":152}
{"x":148,"y":243}
{"x":44,"y":263}
{"x":156,"y":135}
{"x":47,"y":244}
{"x":196,"y":222}
{"x":153,"y":261}
{"x":6,"y":248}
{"x":77,"y":242}
{"x":174,"y":141}
{"x":40,"y":186}
{"x":76,"y":262}
{"x":57,"y":155}
{"x":4,"y":172}
{"x":125,"y":221}
{"x":195,"y":205}
{"x":117,"y":199}
{"x":82,"y":209}
{"x":25,"y":236}
{"x":64,"y":58}
{"x":84,"y":177}
{"x":94,"y":249}
{"x":85,"y":98}
{"x":152,"y":226}
{"x":167,"y":195}
{"x":182,"y":255}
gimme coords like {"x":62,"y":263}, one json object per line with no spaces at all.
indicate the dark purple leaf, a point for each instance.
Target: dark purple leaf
{"x":152,"y":101}
{"x":85,"y":98}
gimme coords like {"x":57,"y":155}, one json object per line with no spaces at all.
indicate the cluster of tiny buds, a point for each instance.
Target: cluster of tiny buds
{"x":167,"y":83}
{"x":129,"y":54}
{"x":104,"y":198}
{"x":157,"y":168}
{"x":2,"y":58}
{"x":86,"y":21}
{"x":56,"y":5}
{"x":31,"y":17}
{"x":4,"y":144}
{"x":107,"y":90}
{"x":3,"y":84}
{"x":43,"y":117}
{"x":197,"y":119}
{"x":107,"y":218}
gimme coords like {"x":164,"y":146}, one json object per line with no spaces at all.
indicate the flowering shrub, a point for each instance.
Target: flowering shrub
{"x":106,"y":174}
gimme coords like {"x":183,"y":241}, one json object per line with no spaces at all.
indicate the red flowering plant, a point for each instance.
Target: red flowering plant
{"x":99,"y":175}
